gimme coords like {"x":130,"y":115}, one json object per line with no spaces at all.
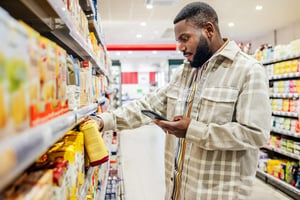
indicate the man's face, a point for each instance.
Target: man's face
{"x":193,"y":43}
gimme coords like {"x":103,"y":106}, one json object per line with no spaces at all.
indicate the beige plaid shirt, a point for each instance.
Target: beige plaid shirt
{"x":231,"y":119}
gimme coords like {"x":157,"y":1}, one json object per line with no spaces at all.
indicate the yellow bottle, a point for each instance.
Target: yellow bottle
{"x":93,"y":143}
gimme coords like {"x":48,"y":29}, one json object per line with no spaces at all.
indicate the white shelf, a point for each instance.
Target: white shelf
{"x":82,"y":47}
{"x":87,"y":181}
{"x":93,"y":25}
{"x":285,"y":76}
{"x":275,"y":149}
{"x":272,"y":61}
{"x":289,"y":95}
{"x":87,"y":110}
{"x":283,"y":186}
{"x":32,"y":143}
{"x":285,"y":132}
{"x":285,"y":114}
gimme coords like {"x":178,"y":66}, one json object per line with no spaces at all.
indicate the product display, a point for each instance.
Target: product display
{"x":40,"y":81}
{"x":281,"y":161}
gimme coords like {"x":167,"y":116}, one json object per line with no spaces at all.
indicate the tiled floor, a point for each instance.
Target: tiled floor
{"x":142,"y":161}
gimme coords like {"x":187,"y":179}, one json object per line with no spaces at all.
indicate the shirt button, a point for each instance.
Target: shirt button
{"x":171,"y":178}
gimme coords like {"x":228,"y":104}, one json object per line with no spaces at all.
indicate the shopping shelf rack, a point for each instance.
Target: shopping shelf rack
{"x":20,"y":151}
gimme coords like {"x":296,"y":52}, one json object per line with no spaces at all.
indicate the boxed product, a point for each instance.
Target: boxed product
{"x":17,"y":74}
{"x":47,"y":78}
{"x":34,"y":76}
{"x":4,"y":92}
{"x":73,"y":89}
{"x":61,"y":76}
{"x":34,"y":185}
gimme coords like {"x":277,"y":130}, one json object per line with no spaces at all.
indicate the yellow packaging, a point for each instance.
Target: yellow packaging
{"x":93,"y":143}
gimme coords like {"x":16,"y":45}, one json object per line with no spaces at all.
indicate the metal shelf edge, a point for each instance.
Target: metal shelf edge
{"x":85,"y":186}
{"x":32,"y":143}
{"x":280,"y":183}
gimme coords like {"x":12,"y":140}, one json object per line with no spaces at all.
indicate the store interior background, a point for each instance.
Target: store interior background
{"x":130,"y":22}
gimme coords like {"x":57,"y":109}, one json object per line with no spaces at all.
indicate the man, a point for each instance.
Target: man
{"x":219,"y":108}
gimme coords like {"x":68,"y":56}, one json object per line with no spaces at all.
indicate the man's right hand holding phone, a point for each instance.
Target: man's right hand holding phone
{"x":177,"y":127}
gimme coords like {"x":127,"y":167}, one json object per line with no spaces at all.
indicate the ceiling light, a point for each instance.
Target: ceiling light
{"x":118,"y":53}
{"x":149,"y":6}
{"x":129,"y":52}
{"x":154,"y":52}
{"x":259,"y":7}
{"x":138,"y":35}
{"x":231,"y":24}
{"x":143,"y":24}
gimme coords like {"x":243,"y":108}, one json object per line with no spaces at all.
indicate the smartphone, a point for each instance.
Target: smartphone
{"x":153,"y":115}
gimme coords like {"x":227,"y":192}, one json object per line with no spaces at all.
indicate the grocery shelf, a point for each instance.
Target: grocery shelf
{"x":287,"y":95}
{"x":285,"y":114}
{"x":281,"y":185}
{"x":285,"y":76}
{"x":87,"y":181}
{"x":285,"y":132}
{"x":102,"y":100}
{"x":29,"y":145}
{"x":88,"y":7}
{"x":25,"y":147}
{"x":73,"y":38}
{"x":93,"y":26}
{"x":85,"y":111}
{"x":289,"y":57}
{"x":104,"y":172}
{"x":51,"y":19}
{"x":275,"y":149}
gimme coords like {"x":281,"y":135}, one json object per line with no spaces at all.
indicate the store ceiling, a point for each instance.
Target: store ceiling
{"x":121,"y":20}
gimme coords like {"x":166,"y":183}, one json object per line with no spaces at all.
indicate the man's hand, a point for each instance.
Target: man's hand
{"x":98,"y":120}
{"x":177,"y":127}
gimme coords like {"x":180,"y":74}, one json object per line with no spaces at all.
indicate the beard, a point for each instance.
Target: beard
{"x":203,"y":53}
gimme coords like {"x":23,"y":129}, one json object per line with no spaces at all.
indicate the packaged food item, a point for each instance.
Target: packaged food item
{"x":61,"y":75}
{"x":73,"y":89}
{"x":34,"y":75}
{"x":47,"y":78}
{"x":93,"y":142}
{"x":17,"y":74}
{"x":4,"y":92}
{"x":34,"y":185}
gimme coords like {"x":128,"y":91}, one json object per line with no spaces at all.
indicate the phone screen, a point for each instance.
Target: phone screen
{"x":153,"y":115}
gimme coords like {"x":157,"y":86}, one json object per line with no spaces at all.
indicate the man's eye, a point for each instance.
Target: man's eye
{"x":184,"y":38}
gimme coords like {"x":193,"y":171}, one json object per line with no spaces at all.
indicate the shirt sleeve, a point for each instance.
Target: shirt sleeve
{"x":251,"y":126}
{"x":129,"y":116}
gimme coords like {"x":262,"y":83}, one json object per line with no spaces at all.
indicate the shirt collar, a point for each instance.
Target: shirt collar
{"x":228,"y":50}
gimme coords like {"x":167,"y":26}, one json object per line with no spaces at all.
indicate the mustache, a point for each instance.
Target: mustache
{"x":187,"y":53}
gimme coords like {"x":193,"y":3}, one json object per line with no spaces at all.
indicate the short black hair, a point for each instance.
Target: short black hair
{"x":199,"y":13}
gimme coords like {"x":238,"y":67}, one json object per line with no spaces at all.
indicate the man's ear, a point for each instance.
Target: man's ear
{"x":209,"y":29}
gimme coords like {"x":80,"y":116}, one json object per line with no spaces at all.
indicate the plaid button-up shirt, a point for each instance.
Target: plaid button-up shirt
{"x":230,"y":120}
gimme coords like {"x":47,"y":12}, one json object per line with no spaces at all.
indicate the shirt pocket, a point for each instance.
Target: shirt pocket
{"x":217,"y":105}
{"x":172,"y":97}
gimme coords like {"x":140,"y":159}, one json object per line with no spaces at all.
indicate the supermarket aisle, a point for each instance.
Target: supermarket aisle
{"x":142,"y":160}
{"x":142,"y":153}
